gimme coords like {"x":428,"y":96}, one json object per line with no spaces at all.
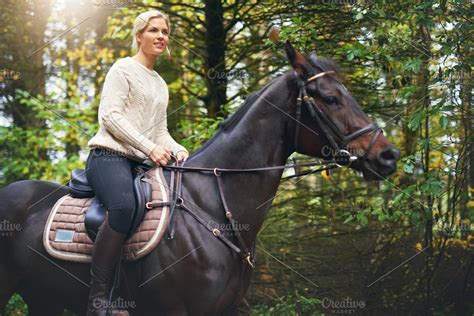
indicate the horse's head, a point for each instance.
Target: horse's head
{"x":330,"y":122}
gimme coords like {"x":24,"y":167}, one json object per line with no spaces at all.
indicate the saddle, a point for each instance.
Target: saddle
{"x":75,"y":218}
{"x":95,"y":215}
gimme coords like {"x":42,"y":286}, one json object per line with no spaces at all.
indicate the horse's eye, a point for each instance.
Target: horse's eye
{"x":330,"y":100}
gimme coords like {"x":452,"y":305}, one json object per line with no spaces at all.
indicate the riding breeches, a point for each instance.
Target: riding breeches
{"x":110,"y":176}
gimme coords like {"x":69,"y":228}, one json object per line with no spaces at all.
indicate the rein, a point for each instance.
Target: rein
{"x":341,"y":158}
{"x":241,"y":248}
{"x":220,"y":170}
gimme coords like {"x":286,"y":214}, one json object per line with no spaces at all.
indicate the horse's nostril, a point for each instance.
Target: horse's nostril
{"x":389,"y":156}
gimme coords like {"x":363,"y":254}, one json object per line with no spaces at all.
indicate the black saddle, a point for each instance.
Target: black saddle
{"x":95,"y":214}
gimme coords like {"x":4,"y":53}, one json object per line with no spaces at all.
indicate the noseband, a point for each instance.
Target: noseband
{"x":337,"y":139}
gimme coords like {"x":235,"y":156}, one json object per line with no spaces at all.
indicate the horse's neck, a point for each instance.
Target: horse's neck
{"x":258,"y":139}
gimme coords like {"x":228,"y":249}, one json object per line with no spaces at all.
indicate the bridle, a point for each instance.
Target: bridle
{"x":342,"y":158}
{"x":336,"y":138}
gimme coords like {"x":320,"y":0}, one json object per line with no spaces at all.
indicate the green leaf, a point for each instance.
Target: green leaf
{"x":413,"y":65}
{"x":350,"y":55}
{"x":362,"y":219}
{"x":415,"y":121}
{"x":415,"y":218}
{"x":408,"y":168}
{"x":398,"y":198}
{"x":432,"y":186}
{"x":443,"y":121}
{"x":349,"y":219}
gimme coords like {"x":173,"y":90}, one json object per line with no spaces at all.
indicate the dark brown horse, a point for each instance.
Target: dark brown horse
{"x":305,"y":110}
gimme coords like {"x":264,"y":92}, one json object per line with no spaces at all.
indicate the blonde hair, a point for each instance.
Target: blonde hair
{"x":141,"y":23}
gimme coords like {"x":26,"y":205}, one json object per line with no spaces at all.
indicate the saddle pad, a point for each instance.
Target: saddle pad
{"x":65,"y":235}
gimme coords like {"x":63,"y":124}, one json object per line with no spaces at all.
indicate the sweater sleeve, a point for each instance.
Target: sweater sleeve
{"x":112,"y":112}
{"x":164,"y":138}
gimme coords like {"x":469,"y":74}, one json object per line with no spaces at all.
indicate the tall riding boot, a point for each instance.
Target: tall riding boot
{"x":105,"y":255}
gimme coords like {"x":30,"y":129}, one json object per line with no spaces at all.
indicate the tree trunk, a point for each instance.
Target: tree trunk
{"x":216,"y":77}
{"x":465,"y":207}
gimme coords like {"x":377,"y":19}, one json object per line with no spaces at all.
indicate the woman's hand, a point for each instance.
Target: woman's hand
{"x":182,"y":155}
{"x":160,"y":155}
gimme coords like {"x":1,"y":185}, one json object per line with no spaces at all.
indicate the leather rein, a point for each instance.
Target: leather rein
{"x":341,"y":158}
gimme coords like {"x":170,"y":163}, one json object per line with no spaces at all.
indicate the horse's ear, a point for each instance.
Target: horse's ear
{"x":296,"y":59}
{"x":274,"y":35}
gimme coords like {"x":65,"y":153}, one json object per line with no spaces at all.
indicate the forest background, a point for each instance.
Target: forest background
{"x":399,"y":246}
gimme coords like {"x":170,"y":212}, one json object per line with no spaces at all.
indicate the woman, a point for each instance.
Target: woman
{"x":133,"y":128}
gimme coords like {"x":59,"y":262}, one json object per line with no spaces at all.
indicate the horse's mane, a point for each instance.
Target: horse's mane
{"x":236,"y":116}
{"x":323,"y":64}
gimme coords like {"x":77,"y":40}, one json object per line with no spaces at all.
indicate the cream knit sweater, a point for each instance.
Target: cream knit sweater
{"x":132,"y":111}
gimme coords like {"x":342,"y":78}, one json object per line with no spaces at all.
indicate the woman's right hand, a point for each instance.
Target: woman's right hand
{"x":160,"y":155}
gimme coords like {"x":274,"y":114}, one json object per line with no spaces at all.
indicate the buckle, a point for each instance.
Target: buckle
{"x":343,"y":158}
{"x":149,"y":205}
{"x":248,"y":259}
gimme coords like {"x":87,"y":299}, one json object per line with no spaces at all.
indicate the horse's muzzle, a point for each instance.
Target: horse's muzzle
{"x":383,"y":165}
{"x":388,"y":157}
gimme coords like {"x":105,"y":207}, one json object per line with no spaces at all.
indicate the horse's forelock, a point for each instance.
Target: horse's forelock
{"x":322,"y":64}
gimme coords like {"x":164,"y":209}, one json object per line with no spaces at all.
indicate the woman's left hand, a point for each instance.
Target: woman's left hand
{"x":182,"y":155}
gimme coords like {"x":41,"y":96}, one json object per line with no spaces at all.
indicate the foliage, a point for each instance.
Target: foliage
{"x":293,"y":304}
{"x":16,"y":306}
{"x":407,"y":63}
{"x":23,"y":147}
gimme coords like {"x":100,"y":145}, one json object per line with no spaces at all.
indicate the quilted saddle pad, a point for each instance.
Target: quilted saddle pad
{"x":67,"y":219}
